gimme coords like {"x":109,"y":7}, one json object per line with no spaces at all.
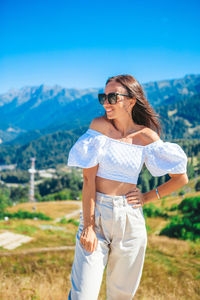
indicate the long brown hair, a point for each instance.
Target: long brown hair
{"x":142,"y":113}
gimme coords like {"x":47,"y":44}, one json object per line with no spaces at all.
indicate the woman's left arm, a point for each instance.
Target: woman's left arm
{"x":135,"y":197}
{"x":176,"y":181}
{"x":161,"y":158}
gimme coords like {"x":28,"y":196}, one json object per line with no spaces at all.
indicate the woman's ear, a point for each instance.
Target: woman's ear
{"x":132,"y":102}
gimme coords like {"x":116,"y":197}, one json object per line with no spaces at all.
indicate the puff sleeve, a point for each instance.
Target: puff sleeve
{"x":87,"y":150}
{"x":164,"y":157}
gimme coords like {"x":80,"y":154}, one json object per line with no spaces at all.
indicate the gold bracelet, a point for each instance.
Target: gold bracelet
{"x":157,"y":194}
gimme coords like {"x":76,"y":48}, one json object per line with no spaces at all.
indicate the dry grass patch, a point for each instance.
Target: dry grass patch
{"x":170,"y":272}
{"x":171,"y":269}
{"x":38,"y":276}
{"x":41,"y":238}
{"x":53,"y":209}
{"x":156,"y":224}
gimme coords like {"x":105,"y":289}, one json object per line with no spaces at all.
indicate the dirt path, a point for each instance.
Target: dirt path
{"x":50,"y":249}
{"x":70,"y":215}
{"x":37,"y":250}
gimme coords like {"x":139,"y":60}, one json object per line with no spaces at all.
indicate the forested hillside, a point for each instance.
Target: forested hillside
{"x":32,"y":112}
{"x":182,"y":118}
{"x":52,"y":119}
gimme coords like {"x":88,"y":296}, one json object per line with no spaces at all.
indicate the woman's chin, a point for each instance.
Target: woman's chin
{"x":109,"y":116}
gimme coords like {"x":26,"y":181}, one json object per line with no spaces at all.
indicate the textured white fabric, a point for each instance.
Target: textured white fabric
{"x":122,"y":240}
{"x":123,"y":162}
{"x":87,"y":150}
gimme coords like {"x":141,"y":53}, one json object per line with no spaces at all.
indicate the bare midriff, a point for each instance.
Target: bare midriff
{"x":112,"y":187}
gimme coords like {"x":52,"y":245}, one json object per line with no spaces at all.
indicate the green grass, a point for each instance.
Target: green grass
{"x":171,"y":269}
{"x":25,"y":229}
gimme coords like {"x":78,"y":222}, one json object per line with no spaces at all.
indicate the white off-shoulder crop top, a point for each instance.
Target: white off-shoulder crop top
{"x":122,"y":161}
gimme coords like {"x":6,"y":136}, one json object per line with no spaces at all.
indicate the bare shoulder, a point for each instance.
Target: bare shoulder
{"x":100,"y":124}
{"x":149,"y":135}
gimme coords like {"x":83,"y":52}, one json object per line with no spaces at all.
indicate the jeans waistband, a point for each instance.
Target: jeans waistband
{"x":111,"y":199}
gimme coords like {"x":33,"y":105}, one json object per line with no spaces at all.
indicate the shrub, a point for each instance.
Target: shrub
{"x":181,"y":193}
{"x":19,"y":194}
{"x":74,"y":222}
{"x":15,"y":176}
{"x":182,"y":228}
{"x":173,"y":207}
{"x":197,"y":186}
{"x":190,"y":205}
{"x":72,"y":181}
{"x":61,"y":195}
{"x":151,"y":211}
{"x":21,"y":214}
{"x":63,"y":221}
{"x":186,"y":227}
{"x":4,"y":199}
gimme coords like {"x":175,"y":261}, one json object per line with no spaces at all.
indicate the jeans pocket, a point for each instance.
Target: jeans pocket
{"x":80,"y":228}
{"x":97,"y":220}
{"x":97,"y":217}
{"x":140,"y":213}
{"x":137,"y":212}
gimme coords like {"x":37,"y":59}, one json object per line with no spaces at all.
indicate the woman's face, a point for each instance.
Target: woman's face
{"x":124,"y":104}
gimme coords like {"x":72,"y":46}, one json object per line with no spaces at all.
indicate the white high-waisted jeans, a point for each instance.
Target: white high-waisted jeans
{"x":122,"y":241}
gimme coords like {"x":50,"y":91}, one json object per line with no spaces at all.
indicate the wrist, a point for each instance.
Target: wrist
{"x":88,"y":227}
{"x":142,"y":199}
{"x":145,"y":197}
{"x":151,"y":196}
{"x":157,"y":193}
{"x":89,"y":221}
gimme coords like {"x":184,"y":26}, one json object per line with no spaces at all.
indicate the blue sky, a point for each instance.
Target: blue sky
{"x":78,"y":44}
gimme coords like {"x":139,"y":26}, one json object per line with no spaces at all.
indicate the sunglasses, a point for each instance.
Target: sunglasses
{"x":112,"y":98}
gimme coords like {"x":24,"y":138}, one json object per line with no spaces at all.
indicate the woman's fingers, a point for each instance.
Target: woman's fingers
{"x":135,"y":190}
{"x":88,"y":242}
{"x":137,"y":205}
{"x":135,"y":201}
{"x":133,"y":197}
{"x":91,"y":246}
{"x":132,"y":194}
{"x":94,"y":244}
{"x":86,"y":245}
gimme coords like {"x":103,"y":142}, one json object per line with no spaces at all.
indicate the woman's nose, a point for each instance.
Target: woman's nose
{"x":106,"y":101}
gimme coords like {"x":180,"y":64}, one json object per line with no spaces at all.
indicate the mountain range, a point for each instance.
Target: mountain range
{"x":36,"y":111}
{"x":36,"y":119}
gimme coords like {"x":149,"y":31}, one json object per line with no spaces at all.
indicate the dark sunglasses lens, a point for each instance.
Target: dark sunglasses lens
{"x":101,"y":98}
{"x":112,"y":98}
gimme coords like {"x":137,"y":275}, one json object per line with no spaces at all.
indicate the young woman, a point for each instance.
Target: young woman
{"x":112,"y":225}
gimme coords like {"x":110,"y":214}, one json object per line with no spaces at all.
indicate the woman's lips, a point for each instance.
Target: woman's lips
{"x":109,"y":110}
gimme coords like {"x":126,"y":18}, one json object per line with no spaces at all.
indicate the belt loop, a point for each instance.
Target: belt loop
{"x":124,"y":200}
{"x":98,"y":199}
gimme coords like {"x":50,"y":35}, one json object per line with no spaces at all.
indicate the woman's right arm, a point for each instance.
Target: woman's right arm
{"x":88,"y":237}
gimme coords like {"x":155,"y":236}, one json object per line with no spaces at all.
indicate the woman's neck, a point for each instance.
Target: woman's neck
{"x":123,"y":128}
